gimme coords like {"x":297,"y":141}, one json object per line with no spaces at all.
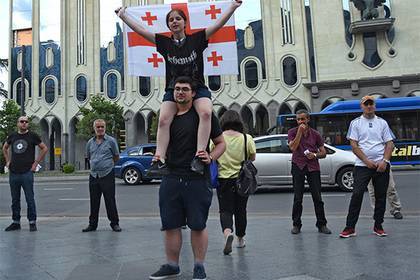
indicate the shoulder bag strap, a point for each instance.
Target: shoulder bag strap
{"x":246,"y":153}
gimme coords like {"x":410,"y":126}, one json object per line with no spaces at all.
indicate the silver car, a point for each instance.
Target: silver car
{"x":274,"y":163}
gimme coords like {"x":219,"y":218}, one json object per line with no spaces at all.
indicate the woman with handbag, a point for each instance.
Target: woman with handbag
{"x":231,"y":203}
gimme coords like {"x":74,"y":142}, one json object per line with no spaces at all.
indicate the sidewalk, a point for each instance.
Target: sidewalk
{"x":59,"y":250}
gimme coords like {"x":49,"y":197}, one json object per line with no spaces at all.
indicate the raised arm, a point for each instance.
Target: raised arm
{"x":223,"y":19}
{"x":294,"y":144}
{"x":149,"y":36}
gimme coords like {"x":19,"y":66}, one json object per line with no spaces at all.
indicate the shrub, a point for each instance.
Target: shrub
{"x":68,"y":168}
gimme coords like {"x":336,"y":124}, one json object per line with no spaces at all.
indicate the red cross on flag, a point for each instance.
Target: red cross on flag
{"x":220,"y":57}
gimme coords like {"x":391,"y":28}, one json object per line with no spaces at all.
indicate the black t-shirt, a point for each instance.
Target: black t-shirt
{"x":183,"y":142}
{"x":23,"y":150}
{"x":183,"y":60}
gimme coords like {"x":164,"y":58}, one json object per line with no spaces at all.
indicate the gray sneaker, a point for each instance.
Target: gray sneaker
{"x":398,"y":215}
{"x":165,"y":271}
{"x":199,"y":273}
{"x":228,"y":244}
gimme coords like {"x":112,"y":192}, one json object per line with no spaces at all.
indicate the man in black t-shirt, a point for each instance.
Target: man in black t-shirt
{"x":21,"y":167}
{"x":185,"y":196}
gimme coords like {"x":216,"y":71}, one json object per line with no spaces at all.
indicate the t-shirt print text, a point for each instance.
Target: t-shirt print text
{"x":370,"y":125}
{"x":183,"y":60}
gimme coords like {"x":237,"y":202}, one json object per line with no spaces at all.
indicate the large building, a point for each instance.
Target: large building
{"x":292,"y":54}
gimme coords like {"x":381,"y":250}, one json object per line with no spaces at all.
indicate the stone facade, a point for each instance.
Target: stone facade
{"x":298,"y":55}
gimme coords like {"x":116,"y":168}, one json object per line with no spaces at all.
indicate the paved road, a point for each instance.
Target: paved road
{"x":71,"y":199}
{"x":59,"y":250}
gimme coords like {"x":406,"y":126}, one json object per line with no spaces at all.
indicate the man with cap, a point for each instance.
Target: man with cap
{"x":371,"y":141}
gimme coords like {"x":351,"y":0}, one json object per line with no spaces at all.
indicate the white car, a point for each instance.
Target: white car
{"x":274,"y":163}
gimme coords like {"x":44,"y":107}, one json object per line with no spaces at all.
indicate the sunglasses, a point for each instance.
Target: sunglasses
{"x":23,"y":121}
{"x":369,"y":102}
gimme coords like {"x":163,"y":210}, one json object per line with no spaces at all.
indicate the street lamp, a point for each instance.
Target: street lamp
{"x":22,"y":83}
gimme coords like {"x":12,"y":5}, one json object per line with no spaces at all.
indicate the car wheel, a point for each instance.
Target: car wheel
{"x":131,"y":176}
{"x":345,"y":179}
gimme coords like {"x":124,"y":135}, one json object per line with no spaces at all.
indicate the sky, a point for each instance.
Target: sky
{"x":4,"y":42}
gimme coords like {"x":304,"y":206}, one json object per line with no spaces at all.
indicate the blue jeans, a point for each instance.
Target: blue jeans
{"x":26,"y":182}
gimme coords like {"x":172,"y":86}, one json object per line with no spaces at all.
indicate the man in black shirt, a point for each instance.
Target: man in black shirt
{"x":185,"y":196}
{"x":21,"y":166}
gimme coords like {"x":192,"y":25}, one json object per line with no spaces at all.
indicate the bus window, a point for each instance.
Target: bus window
{"x":404,"y":125}
{"x":332,"y":128}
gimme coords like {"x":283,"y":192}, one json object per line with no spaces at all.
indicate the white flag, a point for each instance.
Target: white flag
{"x":220,"y":57}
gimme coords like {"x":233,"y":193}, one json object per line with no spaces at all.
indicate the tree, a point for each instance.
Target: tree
{"x":111,"y":112}
{"x":9,"y":114}
{"x":3,"y":65}
{"x":153,"y":128}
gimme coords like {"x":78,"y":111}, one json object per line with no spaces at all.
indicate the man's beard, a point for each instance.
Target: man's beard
{"x":182,"y":101}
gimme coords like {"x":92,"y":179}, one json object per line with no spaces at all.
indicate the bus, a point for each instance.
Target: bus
{"x":402,"y":115}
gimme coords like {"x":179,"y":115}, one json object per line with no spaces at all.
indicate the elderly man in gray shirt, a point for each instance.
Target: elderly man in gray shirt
{"x":102,"y":152}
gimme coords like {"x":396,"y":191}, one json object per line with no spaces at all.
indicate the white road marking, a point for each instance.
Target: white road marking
{"x":73,"y":199}
{"x":57,"y":189}
{"x":326,"y":195}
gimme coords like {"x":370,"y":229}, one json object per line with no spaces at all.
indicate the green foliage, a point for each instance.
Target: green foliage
{"x":68,"y":168}
{"x":9,"y":114}
{"x":111,"y":112}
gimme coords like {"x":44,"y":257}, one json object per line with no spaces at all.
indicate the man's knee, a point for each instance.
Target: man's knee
{"x":165,"y":121}
{"x":205,"y":114}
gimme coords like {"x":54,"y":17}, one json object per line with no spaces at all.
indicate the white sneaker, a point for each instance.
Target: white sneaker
{"x":240,"y":243}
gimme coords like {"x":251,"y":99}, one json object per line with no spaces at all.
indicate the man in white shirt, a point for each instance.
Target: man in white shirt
{"x":371,"y":141}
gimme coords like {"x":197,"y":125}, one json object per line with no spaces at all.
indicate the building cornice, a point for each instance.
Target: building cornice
{"x":373,"y":81}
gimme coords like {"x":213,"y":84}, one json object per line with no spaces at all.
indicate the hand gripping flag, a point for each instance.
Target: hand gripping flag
{"x":220,"y":57}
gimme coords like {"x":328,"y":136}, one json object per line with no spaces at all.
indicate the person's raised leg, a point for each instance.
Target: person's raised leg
{"x":204,"y":108}
{"x":166,"y":115}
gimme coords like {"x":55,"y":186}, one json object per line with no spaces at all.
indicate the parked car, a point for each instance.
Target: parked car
{"x":133,"y":164}
{"x":274,"y":163}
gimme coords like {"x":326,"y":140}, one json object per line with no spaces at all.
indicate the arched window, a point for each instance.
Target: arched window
{"x":111,"y":88}
{"x":289,"y":71}
{"x":251,"y":74}
{"x":49,"y":91}
{"x":19,"y":94}
{"x":215,"y":83}
{"x":81,"y":88}
{"x":144,"y":85}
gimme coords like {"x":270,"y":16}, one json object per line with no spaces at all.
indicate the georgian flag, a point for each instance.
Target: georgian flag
{"x":220,"y":57}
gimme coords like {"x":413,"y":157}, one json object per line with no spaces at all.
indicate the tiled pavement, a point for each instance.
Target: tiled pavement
{"x":59,"y":250}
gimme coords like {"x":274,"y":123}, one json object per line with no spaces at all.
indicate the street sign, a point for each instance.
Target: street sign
{"x":57,"y":151}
